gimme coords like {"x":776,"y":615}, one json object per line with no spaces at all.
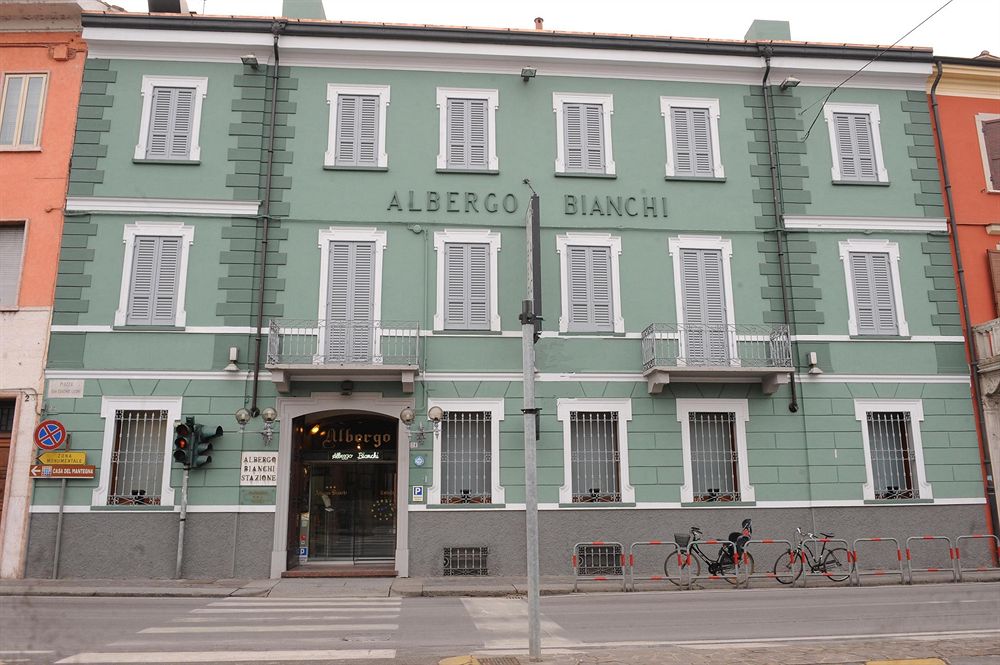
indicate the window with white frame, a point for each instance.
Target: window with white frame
{"x":467,"y":452}
{"x":170,"y":124}
{"x":154,"y":274}
{"x":894,"y":458}
{"x":467,"y":133}
{"x":11,"y":257}
{"x":692,"y":131}
{"x":989,"y":145}
{"x":714,"y":450}
{"x":583,"y":134}
{"x":135,"y":467}
{"x":875,"y":302}
{"x":595,"y":450}
{"x":467,"y":280}
{"x":21,"y":109}
{"x":589,"y":281}
{"x":356,"y":138}
{"x":855,"y":142}
{"x":704,"y":300}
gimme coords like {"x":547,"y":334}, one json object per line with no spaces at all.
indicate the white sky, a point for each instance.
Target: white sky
{"x":963,"y":28}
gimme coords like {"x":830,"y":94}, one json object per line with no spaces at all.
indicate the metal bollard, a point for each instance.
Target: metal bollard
{"x":858,"y":571}
{"x":933,"y":569}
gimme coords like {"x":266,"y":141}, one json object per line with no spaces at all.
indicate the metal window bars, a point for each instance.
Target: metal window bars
{"x":7,"y":415}
{"x":466,"y":457}
{"x":714,"y":456}
{"x":892,"y":456}
{"x":137,"y":458}
{"x":595,"y":457}
{"x":466,"y":561}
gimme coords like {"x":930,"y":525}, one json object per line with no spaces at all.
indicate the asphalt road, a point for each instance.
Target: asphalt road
{"x":422,"y":630}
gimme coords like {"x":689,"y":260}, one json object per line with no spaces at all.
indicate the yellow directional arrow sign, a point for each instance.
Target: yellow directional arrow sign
{"x":64,"y":457}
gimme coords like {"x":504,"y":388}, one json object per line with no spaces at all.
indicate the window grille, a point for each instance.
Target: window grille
{"x":595,"y":457}
{"x":7,"y":415}
{"x":466,"y":561}
{"x":592,"y":560}
{"x":137,"y":458}
{"x":889,"y":438}
{"x":466,"y":457}
{"x":714,"y":456}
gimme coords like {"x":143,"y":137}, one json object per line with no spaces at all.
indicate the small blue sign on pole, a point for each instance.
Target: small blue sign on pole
{"x":418,"y":493}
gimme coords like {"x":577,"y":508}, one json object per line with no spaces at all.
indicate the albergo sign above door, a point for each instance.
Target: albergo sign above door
{"x":493,"y":203}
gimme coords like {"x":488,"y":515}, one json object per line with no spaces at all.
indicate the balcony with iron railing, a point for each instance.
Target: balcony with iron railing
{"x":686,"y":352}
{"x":332,"y":350}
{"x":986,"y":340}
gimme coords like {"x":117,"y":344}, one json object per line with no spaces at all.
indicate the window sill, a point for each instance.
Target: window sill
{"x":9,"y":308}
{"x":158,"y":508}
{"x":464,"y":506}
{"x":135,"y":328}
{"x":470,"y":171}
{"x":591,"y":333}
{"x":20,"y":148}
{"x":691,"y":178}
{"x":573,"y":174}
{"x":466,"y":331}
{"x":718,"y":504}
{"x":863,"y":183}
{"x":178,"y":162}
{"x":599,"y":504}
{"x":334,"y":167}
{"x":897,"y":502}
{"x":880,"y":338}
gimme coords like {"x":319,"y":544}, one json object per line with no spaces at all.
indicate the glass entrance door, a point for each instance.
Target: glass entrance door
{"x":352,"y":511}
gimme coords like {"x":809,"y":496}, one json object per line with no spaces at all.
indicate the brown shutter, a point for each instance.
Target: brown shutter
{"x":995,"y":272}
{"x":991,"y":136}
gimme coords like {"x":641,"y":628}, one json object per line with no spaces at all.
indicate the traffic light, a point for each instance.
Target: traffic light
{"x":183,"y":442}
{"x":202,"y":445}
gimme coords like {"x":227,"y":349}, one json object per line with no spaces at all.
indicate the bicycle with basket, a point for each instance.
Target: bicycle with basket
{"x":732,"y":565}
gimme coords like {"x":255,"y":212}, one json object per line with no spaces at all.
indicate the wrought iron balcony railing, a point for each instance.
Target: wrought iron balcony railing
{"x":298,"y":342}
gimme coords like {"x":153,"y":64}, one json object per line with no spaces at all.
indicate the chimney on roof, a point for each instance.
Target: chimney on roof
{"x":539,"y":23}
{"x":761,"y":30}
{"x":307,"y":9}
{"x":167,"y":6}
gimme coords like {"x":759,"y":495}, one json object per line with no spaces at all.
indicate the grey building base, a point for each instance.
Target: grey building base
{"x":102,"y":545}
{"x":503,"y":531}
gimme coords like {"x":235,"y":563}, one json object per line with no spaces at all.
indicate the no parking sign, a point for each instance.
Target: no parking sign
{"x":50,"y":434}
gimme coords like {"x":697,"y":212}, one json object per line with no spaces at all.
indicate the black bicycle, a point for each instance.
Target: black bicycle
{"x":732,"y":563}
{"x":831,"y":562}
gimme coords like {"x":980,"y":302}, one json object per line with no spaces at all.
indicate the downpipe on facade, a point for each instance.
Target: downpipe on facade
{"x":984,"y":453}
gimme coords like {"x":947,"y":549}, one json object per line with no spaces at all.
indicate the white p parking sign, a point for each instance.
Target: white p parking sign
{"x":418,"y":494}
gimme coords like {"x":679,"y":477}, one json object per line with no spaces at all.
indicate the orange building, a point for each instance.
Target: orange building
{"x":965,"y":100}
{"x":41,"y":68}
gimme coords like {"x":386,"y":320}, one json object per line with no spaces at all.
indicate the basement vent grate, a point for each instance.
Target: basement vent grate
{"x":499,"y":660}
{"x":469,"y":561}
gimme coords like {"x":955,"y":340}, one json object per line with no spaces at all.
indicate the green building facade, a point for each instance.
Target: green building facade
{"x":700,"y":360}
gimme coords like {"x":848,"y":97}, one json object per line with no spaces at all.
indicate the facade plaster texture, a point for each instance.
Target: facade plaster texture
{"x":805,"y":467}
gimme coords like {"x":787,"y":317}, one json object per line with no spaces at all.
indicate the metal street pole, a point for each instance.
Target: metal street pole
{"x":528,"y":322}
{"x":180,"y":525}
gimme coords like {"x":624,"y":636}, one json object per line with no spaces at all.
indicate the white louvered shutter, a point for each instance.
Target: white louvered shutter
{"x":11,"y":250}
{"x":357,"y":130}
{"x":692,"y":142}
{"x":874,"y":300}
{"x":855,"y":146}
{"x":703,"y":301}
{"x":171,"y":123}
{"x":350,"y":308}
{"x":589,"y":289}
{"x":154,"y":282}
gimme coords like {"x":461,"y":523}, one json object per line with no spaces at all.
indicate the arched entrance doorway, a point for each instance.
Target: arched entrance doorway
{"x":343,"y":492}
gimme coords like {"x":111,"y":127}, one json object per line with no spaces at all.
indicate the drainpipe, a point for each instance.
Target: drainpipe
{"x":779,"y":220}
{"x":991,"y":495}
{"x":265,"y":217}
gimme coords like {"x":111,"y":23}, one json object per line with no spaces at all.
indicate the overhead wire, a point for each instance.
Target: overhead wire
{"x":862,"y":68}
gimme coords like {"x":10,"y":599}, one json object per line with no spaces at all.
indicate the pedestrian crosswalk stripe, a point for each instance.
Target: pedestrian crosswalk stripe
{"x":229,"y":656}
{"x":325,"y":628}
{"x":258,"y":610}
{"x":291,"y":599}
{"x":308,"y":603}
{"x":268,"y":617}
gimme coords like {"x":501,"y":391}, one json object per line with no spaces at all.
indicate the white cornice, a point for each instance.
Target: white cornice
{"x":200,"y":207}
{"x":915,"y":224}
{"x":412,"y":55}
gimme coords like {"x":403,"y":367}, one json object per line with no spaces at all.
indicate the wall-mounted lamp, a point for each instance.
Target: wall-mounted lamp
{"x":417,"y":431}
{"x":528,"y":73}
{"x":251,"y":60}
{"x":789,"y":82}
{"x":814,"y":369}
{"x":234,"y":353}
{"x":268,"y":415}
